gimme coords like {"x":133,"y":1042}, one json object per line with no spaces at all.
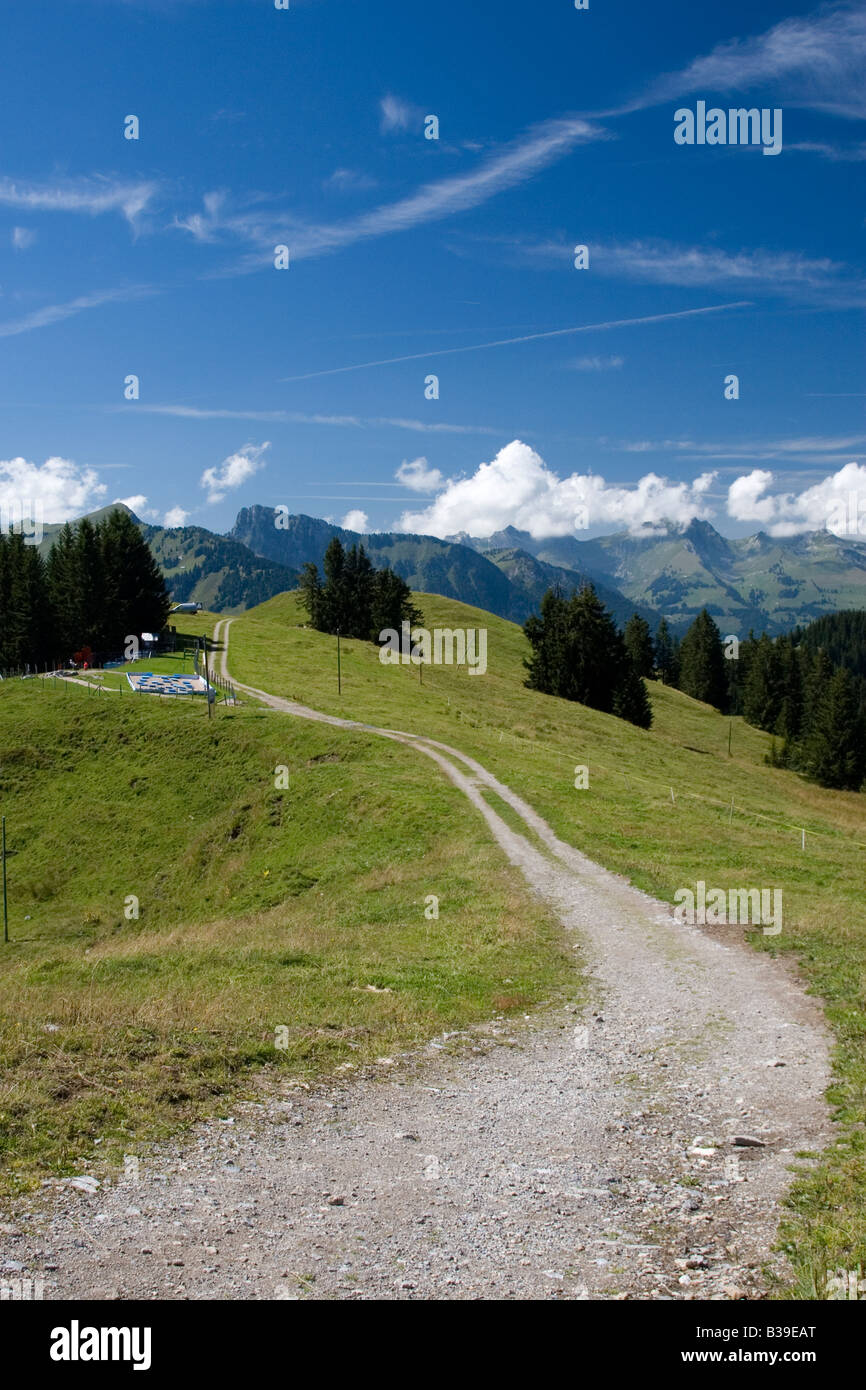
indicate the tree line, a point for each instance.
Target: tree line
{"x":807,"y":688}
{"x":353,"y":598}
{"x":99,"y":585}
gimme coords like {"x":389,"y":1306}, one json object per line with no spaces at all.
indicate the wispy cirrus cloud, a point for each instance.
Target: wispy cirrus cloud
{"x":349,"y":181}
{"x":817,"y":451}
{"x":837,"y":154}
{"x":396,"y":114}
{"x":815,"y":60}
{"x":22,"y":238}
{"x":90,"y":197}
{"x":299,"y":417}
{"x":505,"y":168}
{"x":55,"y":313}
{"x":790,"y":274}
{"x":597,"y":363}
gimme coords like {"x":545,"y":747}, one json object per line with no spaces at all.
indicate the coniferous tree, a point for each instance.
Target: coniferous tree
{"x":639,"y":645}
{"x":391,"y":604}
{"x":666,"y":656}
{"x":547,"y":634}
{"x":359,"y":579}
{"x":354,"y":598}
{"x":631,"y":700}
{"x":764,"y":689}
{"x":335,"y":601}
{"x":134,"y":597}
{"x":579,"y":654}
{"x":702,"y":662}
{"x":835,"y":750}
{"x":310,"y":585}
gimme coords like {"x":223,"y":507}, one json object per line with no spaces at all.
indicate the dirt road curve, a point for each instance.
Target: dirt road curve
{"x":562,"y":1157}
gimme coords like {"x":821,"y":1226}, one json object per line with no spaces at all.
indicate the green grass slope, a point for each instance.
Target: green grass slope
{"x":261,"y":907}
{"x":628,"y":821}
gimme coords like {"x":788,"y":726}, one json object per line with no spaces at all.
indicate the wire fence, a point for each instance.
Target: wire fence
{"x":91,"y":680}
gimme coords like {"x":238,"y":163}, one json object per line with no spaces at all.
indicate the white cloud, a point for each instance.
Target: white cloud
{"x":56,"y":313}
{"x":89,"y":196}
{"x":518,"y":489}
{"x":22,"y":237}
{"x":503,"y":169}
{"x":234,"y":471}
{"x":138,"y":504}
{"x":811,"y":61}
{"x":658,"y":262}
{"x":297,"y":417}
{"x":837,"y":154}
{"x":597,"y":364}
{"x":355,"y":521}
{"x":206,"y":226}
{"x":58,"y":486}
{"x":837,"y":503}
{"x":175,"y":516}
{"x":349,"y":181}
{"x":418,"y":476}
{"x":396,"y":114}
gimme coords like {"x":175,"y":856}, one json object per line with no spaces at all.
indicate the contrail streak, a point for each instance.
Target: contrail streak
{"x":527,"y":338}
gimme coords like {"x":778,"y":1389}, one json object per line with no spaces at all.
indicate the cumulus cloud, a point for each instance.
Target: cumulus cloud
{"x":234,"y":471}
{"x":418,"y":476}
{"x":518,"y":489}
{"x":355,"y":520}
{"x":837,"y":503}
{"x":58,"y":487}
{"x":175,"y":516}
{"x":138,"y":504}
{"x":22,"y":237}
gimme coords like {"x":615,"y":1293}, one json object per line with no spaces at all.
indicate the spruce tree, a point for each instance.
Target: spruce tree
{"x":702,"y":662}
{"x":639,"y":645}
{"x":579,"y":654}
{"x":764,"y":688}
{"x":391,"y":604}
{"x":546,"y":632}
{"x":134,"y":597}
{"x":665,"y":654}
{"x":310,"y":586}
{"x":335,"y":599}
{"x":835,"y":751}
{"x":631,"y":700}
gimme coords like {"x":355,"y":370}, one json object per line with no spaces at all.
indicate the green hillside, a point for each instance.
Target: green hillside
{"x":200,"y":566}
{"x":260,"y":907}
{"x":627,"y":820}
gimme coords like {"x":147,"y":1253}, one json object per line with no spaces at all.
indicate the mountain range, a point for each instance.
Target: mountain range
{"x":757,"y":582}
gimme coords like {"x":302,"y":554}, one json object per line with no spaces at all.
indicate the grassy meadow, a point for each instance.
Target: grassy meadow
{"x":261,"y":906}
{"x":629,"y":821}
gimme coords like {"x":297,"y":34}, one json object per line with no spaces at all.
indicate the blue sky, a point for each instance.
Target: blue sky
{"x":305,"y":128}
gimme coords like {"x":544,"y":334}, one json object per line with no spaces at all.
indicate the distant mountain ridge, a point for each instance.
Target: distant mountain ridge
{"x":758,"y":582}
{"x":510,"y":583}
{"x":763,"y":582}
